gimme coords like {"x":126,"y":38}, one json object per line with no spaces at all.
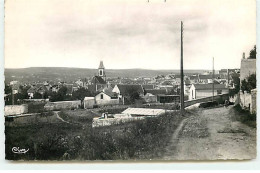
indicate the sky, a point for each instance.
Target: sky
{"x":128,"y":34}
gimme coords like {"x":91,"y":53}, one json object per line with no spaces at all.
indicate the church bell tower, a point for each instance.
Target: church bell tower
{"x":101,"y":71}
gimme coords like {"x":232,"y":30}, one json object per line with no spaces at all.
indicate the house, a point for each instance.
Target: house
{"x":31,"y":92}
{"x":151,"y":95}
{"x":106,"y":98}
{"x":42,"y":89}
{"x":205,"y":90}
{"x":194,"y":79}
{"x":124,"y":91}
{"x":205,"y":79}
{"x":187,"y":85}
{"x":168,"y":88}
{"x":79,"y":83}
{"x":156,"y":91}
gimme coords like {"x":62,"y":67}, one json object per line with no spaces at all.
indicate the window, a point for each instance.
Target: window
{"x":100,"y":73}
{"x":101,"y":96}
{"x":219,"y":91}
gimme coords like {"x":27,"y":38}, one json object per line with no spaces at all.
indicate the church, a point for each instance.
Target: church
{"x":98,"y":82}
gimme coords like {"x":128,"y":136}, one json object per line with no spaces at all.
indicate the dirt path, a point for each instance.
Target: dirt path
{"x":212,"y":135}
{"x":58,"y":117}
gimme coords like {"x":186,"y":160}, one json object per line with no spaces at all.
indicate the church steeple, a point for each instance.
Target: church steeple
{"x":101,"y":70}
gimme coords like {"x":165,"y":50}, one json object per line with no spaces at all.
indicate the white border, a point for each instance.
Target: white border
{"x":221,"y":165}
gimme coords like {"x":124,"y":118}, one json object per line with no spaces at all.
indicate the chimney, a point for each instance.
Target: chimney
{"x":243,"y":55}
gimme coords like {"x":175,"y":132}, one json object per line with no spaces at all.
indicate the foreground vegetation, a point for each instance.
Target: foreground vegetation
{"x":77,"y":140}
{"x":244,"y":116}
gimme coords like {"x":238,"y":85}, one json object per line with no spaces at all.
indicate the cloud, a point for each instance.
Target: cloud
{"x":129,"y":34}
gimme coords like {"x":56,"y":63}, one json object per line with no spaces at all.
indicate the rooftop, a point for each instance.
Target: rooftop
{"x":143,"y":111}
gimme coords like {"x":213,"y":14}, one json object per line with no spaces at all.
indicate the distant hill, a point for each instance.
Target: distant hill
{"x":35,"y":74}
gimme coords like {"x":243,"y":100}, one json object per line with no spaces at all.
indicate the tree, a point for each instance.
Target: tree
{"x":8,"y":89}
{"x":80,"y":94}
{"x":37,"y":95}
{"x":236,"y":82}
{"x":8,"y":97}
{"x":133,"y":94}
{"x":252,"y":54}
{"x":23,"y":93}
{"x":60,"y":95}
{"x":63,"y":91}
{"x":249,"y":83}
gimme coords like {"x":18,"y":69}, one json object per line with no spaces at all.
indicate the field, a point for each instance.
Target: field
{"x":75,"y":139}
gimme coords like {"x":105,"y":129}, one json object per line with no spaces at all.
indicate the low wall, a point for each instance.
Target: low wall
{"x":206,"y":99}
{"x":16,"y":109}
{"x":30,"y":119}
{"x":34,"y":100}
{"x":62,"y":105}
{"x":107,"y":102}
{"x":113,"y":121}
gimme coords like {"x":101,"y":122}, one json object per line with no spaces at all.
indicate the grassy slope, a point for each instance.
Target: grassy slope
{"x":136,"y":140}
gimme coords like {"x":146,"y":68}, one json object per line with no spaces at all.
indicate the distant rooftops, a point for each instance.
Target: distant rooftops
{"x":209,"y":86}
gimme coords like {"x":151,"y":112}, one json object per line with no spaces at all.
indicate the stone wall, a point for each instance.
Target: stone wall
{"x":248,"y":100}
{"x":16,"y":109}
{"x":62,"y":105}
{"x":254,"y":101}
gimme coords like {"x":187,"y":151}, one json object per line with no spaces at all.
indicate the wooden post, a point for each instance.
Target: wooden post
{"x":182,"y":87}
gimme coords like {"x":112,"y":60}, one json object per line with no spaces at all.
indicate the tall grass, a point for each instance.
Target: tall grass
{"x":144,"y":139}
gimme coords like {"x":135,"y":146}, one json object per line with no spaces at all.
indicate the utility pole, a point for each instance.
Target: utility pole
{"x":182,"y":87}
{"x":12,"y":95}
{"x":213,"y":76}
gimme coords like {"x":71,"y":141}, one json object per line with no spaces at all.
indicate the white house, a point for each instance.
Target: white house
{"x":106,"y":98}
{"x":205,"y":90}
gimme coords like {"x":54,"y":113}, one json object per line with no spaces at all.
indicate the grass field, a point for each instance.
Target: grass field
{"x":77,"y":140}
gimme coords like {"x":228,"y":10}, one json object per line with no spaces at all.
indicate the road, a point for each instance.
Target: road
{"x":212,"y":135}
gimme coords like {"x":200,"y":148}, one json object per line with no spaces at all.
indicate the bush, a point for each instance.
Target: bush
{"x":244,"y":116}
{"x":208,"y":104}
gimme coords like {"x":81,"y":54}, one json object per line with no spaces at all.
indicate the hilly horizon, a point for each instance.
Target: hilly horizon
{"x":70,"y":74}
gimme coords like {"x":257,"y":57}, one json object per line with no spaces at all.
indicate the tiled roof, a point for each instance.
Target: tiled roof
{"x":31,"y":90}
{"x":143,"y":111}
{"x":92,"y":88}
{"x":148,"y":86}
{"x":124,"y":89}
{"x":97,"y":80}
{"x":156,"y":91}
{"x":193,"y":77}
{"x":209,"y":86}
{"x":205,"y":76}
